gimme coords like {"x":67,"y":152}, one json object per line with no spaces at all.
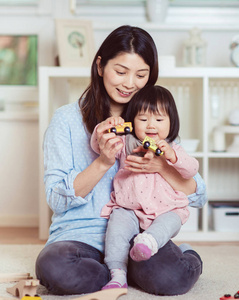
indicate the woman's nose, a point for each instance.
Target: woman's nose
{"x":129,"y":82}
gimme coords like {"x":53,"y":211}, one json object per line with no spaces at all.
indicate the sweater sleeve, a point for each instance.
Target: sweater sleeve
{"x":186,"y":165}
{"x":94,"y":142}
{"x":59,"y":169}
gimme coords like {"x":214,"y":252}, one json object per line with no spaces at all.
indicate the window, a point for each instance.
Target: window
{"x":18,"y":60}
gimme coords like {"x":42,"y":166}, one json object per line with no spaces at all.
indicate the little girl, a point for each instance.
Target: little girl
{"x":144,"y":202}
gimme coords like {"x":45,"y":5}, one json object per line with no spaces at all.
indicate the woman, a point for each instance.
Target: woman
{"x":79,"y":182}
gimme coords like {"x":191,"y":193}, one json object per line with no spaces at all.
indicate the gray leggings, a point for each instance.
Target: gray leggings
{"x":123,"y":225}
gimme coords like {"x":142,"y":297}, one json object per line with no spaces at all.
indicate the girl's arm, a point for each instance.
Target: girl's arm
{"x":185,"y":164}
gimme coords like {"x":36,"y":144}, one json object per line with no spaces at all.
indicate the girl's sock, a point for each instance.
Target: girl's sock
{"x":144,"y":247}
{"x":118,"y":280}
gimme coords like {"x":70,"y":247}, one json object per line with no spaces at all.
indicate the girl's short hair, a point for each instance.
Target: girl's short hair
{"x":153,"y":98}
{"x":95,"y":102}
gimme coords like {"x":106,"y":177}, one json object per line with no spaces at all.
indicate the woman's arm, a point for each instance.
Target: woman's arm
{"x":159,"y":165}
{"x":106,"y":145}
{"x":71,"y":169}
{"x":194,"y":187}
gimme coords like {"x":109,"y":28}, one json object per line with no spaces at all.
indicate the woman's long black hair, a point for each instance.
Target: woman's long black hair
{"x":95,"y":102}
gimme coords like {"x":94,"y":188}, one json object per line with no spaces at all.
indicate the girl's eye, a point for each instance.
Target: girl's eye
{"x":144,"y":120}
{"x":159,"y":120}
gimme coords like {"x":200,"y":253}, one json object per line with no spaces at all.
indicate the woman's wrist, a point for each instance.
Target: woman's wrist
{"x":86,"y":180}
{"x":101,"y":165}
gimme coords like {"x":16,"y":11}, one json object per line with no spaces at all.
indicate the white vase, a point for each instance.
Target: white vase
{"x":156,"y":10}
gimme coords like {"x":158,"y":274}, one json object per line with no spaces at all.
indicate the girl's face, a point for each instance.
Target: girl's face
{"x":155,"y":125}
{"x":123,"y":76}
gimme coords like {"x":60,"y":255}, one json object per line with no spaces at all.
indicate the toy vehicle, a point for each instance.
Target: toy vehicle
{"x":125,"y":128}
{"x":36,"y":297}
{"x":229,"y":297}
{"x":149,"y":143}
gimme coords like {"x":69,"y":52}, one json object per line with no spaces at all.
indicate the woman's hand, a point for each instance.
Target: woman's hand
{"x":150,"y":163}
{"x":109,"y":143}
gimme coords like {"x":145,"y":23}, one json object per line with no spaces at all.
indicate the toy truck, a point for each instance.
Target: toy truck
{"x":124,"y":129}
{"x":149,"y":143}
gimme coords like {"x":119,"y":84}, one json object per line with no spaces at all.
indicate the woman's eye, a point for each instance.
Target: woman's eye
{"x":141,"y":76}
{"x":120,"y":73}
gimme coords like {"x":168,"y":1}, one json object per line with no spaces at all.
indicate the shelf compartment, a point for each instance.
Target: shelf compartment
{"x":223,"y":178}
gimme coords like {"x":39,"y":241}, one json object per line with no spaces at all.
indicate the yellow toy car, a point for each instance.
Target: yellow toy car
{"x":149,"y":143}
{"x":125,"y":128}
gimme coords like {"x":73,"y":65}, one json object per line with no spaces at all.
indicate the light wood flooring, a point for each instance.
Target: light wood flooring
{"x":12,"y":235}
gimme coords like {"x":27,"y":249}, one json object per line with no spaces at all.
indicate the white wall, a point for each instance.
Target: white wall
{"x":19,"y":138}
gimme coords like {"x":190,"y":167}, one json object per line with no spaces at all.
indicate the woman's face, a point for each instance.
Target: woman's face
{"x":123,"y":76}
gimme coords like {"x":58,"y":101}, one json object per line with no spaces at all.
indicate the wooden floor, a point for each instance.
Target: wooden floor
{"x":18,"y":235}
{"x":13,"y":235}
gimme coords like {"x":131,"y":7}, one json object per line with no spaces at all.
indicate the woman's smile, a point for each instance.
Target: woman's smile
{"x":124,"y":94}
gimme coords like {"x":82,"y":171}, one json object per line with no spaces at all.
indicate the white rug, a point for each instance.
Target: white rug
{"x":220,"y":274}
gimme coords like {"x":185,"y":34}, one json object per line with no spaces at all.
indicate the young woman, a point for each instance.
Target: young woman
{"x":144,"y":201}
{"x":78,"y":182}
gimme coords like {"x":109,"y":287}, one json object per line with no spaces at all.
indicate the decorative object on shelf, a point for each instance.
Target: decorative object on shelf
{"x":219,"y":139}
{"x":194,"y":51}
{"x":166,"y":63}
{"x":156,"y":10}
{"x":73,"y":6}
{"x":75,"y":42}
{"x":233,"y":118}
{"x":190,"y":145}
{"x":235,"y":50}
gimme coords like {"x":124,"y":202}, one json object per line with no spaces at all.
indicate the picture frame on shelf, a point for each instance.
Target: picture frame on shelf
{"x":75,"y":42}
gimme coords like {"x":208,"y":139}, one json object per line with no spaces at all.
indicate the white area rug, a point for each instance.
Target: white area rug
{"x":220,"y":274}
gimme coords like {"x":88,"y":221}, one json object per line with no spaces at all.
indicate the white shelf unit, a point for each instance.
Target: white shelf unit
{"x":194,"y":90}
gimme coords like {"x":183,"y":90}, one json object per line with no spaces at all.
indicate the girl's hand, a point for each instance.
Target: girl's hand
{"x":169,"y":153}
{"x":150,"y":163}
{"x":109,"y":143}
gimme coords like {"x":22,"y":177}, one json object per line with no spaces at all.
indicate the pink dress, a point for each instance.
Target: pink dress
{"x":148,"y":194}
